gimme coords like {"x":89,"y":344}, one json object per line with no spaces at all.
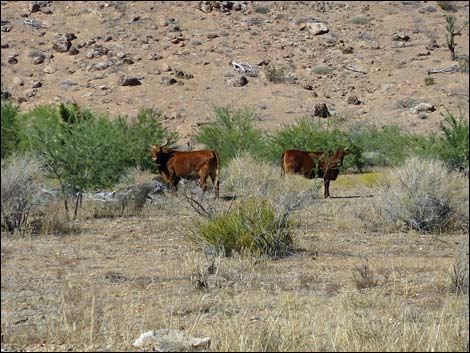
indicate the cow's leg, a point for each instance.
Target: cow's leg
{"x":174,"y":184}
{"x":215,"y":181}
{"x":326,"y":182}
{"x":203,"y":174}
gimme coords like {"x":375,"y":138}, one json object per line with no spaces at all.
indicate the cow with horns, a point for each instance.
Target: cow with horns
{"x":195,"y":165}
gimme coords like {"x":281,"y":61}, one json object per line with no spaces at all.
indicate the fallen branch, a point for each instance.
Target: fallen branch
{"x":447,"y":70}
{"x":352,"y":68}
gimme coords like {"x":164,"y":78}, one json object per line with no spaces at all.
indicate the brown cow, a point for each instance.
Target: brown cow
{"x":314,"y":164}
{"x":194,"y":165}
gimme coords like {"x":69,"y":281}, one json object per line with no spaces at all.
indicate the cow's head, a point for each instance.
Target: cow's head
{"x":157,"y":151}
{"x":336,"y":160}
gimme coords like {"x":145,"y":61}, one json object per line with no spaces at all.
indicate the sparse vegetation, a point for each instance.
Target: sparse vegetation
{"x":321,"y":70}
{"x":423,"y":195}
{"x":429,"y":80}
{"x":275,"y":74}
{"x":446,"y":5}
{"x":359,"y":20}
{"x":21,"y":191}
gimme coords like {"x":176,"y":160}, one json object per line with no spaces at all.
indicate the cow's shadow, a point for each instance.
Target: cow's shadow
{"x":228,"y":197}
{"x":351,"y":197}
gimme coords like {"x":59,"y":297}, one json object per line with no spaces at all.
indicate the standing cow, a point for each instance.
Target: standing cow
{"x":314,"y":165}
{"x":195,"y":165}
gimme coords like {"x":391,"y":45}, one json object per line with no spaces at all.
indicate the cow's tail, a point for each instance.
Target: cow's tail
{"x":216,"y":180}
{"x":283,"y":171}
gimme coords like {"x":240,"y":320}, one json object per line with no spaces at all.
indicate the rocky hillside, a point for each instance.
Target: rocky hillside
{"x":367,"y":61}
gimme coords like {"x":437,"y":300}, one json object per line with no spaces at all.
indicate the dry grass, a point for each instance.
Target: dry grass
{"x":119,"y":277}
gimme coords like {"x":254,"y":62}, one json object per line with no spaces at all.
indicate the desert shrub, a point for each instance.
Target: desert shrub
{"x":245,"y":177}
{"x":10,"y":132}
{"x":252,"y":227}
{"x":364,"y":276}
{"x":446,"y":5}
{"x":422,"y":195}
{"x":429,"y":80}
{"x":84,"y":151}
{"x":321,"y":70}
{"x":231,"y":134}
{"x":261,"y":9}
{"x":459,"y":275}
{"x":452,"y":144}
{"x":20,"y":191}
{"x":383,"y":146}
{"x":275,"y":74}
{"x":359,"y":20}
{"x":463,"y":64}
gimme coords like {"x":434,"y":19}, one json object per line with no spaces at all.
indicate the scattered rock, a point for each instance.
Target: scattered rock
{"x":205,"y":6}
{"x":63,"y":42}
{"x":181,"y":74}
{"x":96,"y":52}
{"x":422,"y":107}
{"x":238,"y":82}
{"x":39,"y":59}
{"x":168,"y":81}
{"x":317,"y":28}
{"x":49,"y":70}
{"x":154,"y":56}
{"x":12,"y":60}
{"x":353,"y":100}
{"x":17,"y":82}
{"x":129,"y":81}
{"x":195,"y":42}
{"x":103,"y":65}
{"x":321,"y":110}
{"x":166,"y":67}
{"x":167,"y":340}
{"x":5,"y":45}
{"x":403,"y":37}
{"x":73,"y":51}
{"x":308,"y":87}
{"x":36,"y":84}
{"x":423,"y":115}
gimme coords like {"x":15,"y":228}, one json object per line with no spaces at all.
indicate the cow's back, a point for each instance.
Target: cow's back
{"x":186,"y":164}
{"x":297,"y":162}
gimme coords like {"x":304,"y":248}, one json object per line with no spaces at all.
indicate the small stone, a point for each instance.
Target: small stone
{"x":129,"y":81}
{"x":36,"y":84}
{"x":353,"y":100}
{"x":12,"y":60}
{"x":38,"y":60}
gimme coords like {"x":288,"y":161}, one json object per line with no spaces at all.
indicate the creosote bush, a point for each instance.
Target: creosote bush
{"x":423,"y":195}
{"x":251,"y":227}
{"x":232,"y":133}
{"x":20,"y":191}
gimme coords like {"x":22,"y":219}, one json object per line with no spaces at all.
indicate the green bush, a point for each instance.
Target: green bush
{"x":10,"y":129}
{"x":383,"y":146}
{"x":452,"y":144}
{"x":85,"y":151}
{"x":253,"y":227}
{"x":231,"y":133}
